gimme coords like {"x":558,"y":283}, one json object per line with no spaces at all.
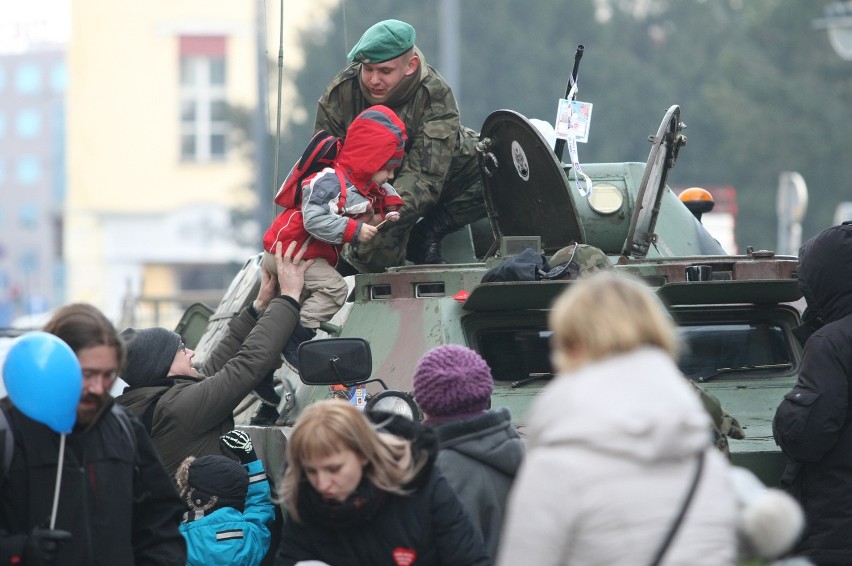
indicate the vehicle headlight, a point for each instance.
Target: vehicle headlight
{"x":395,"y":403}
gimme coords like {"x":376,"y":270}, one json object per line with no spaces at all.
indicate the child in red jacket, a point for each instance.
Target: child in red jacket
{"x":342,"y":204}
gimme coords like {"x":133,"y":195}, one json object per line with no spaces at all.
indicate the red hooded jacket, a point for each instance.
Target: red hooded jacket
{"x":374,"y":141}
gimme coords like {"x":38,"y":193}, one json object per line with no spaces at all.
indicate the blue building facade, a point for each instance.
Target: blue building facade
{"x":32,"y":182}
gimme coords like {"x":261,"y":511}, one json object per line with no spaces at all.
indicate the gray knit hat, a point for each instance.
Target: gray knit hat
{"x":150,"y":353}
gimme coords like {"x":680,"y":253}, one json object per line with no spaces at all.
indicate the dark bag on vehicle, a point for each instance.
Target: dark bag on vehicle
{"x":529,"y":266}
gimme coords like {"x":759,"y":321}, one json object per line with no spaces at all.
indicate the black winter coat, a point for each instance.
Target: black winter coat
{"x":115,"y":497}
{"x":812,"y":423}
{"x":429,"y":527}
{"x":480,"y":457}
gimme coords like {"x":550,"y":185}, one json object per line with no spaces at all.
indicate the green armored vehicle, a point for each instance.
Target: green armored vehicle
{"x":735,"y":312}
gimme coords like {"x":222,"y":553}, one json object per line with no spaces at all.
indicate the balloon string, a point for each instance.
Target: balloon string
{"x":58,"y":481}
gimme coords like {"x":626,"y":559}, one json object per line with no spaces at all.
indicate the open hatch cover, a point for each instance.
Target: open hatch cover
{"x":662,"y":158}
{"x":526,"y":190}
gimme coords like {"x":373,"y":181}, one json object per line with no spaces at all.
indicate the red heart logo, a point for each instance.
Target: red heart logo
{"x":404,"y":556}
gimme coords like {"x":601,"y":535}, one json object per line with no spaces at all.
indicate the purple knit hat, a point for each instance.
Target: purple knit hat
{"x":452,"y":381}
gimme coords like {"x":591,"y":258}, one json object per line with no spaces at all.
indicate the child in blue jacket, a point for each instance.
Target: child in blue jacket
{"x":230,"y":505}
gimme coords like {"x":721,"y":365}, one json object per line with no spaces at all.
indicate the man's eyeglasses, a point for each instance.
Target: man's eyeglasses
{"x":182,"y":348}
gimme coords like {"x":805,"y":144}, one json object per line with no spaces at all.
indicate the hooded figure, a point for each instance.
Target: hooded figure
{"x":480,"y":450}
{"x":810,"y":424}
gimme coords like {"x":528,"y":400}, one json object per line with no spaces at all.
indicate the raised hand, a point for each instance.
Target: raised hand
{"x":367,"y":232}
{"x":238,"y":443}
{"x":43,"y":545}
{"x":291,"y":269}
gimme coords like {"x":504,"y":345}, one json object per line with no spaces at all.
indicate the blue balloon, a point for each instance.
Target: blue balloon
{"x":44,"y":380}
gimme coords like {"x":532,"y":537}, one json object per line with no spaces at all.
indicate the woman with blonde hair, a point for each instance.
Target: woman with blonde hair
{"x":619,"y":445}
{"x":359,"y":494}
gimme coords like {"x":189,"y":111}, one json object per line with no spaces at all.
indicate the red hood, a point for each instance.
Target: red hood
{"x":375,"y":138}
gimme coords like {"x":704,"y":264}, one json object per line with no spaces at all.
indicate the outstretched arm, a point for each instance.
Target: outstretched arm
{"x":258,"y":355}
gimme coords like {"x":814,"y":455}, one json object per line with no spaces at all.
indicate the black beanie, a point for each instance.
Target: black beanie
{"x":150,"y":353}
{"x":219,"y":476}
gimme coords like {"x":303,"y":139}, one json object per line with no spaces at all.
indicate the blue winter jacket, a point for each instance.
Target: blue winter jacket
{"x":228,"y":536}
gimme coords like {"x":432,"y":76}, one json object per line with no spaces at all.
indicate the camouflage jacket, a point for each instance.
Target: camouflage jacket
{"x":431,"y":117}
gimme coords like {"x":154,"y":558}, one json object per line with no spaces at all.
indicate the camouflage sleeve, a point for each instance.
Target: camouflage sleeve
{"x":326,"y":119}
{"x":432,"y":146}
{"x":331,"y":114}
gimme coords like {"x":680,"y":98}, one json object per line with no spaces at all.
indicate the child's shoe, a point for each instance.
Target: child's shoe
{"x":291,"y":350}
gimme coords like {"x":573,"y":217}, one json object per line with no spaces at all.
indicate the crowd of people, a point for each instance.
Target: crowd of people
{"x":160,"y":475}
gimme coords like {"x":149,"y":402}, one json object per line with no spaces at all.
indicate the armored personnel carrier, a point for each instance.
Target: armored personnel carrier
{"x":735,"y":313}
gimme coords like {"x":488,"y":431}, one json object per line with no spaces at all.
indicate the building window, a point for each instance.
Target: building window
{"x":203,"y":73}
{"x":28,"y":171}
{"x":59,"y":77}
{"x":28,"y":261}
{"x":28,"y":124}
{"x":28,"y":78}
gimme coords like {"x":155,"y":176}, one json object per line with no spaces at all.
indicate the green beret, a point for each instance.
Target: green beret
{"x":382,"y":42}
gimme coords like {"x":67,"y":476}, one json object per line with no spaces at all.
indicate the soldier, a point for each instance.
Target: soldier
{"x":439,"y":178}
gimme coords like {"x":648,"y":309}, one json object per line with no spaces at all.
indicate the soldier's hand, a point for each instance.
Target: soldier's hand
{"x":238,"y":443}
{"x":43,"y":545}
{"x":291,"y":269}
{"x":367,"y":233}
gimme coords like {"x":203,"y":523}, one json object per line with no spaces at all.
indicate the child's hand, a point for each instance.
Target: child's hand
{"x":238,"y":443}
{"x":367,"y":233}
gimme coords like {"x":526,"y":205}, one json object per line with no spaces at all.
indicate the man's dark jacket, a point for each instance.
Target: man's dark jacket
{"x":115,"y":497}
{"x":191,"y":413}
{"x":812,"y":423}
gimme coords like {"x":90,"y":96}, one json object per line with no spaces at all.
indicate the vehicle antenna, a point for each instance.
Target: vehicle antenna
{"x":275,"y":180}
{"x":559,"y":149}
{"x":345,"y":28}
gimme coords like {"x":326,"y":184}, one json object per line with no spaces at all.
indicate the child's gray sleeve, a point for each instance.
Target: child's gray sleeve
{"x":390,"y":190}
{"x":319,"y":209}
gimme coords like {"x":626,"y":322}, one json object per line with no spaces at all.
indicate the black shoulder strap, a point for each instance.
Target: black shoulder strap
{"x":341,"y":202}
{"x":7,"y":443}
{"x":148,"y":415}
{"x":123,"y":421}
{"x":673,"y":529}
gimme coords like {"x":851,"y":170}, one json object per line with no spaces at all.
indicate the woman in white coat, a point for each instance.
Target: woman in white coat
{"x":616,"y":442}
